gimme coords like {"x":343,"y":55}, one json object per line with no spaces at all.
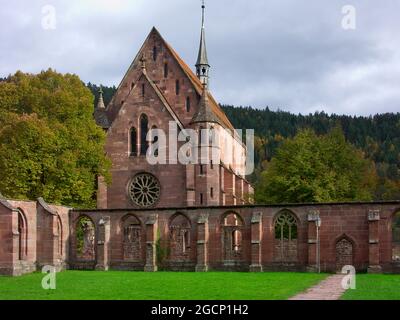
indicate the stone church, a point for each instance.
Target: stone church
{"x":193,"y":216}
{"x":159,"y":87}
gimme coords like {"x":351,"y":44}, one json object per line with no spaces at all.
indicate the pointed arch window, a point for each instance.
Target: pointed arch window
{"x":144,"y":129}
{"x":155,"y":139}
{"x":22,"y":236}
{"x":285,"y":237}
{"x":180,"y":239}
{"x":133,"y":142}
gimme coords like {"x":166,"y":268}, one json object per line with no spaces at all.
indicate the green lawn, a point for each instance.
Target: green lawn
{"x":83,"y":285}
{"x":375,"y":287}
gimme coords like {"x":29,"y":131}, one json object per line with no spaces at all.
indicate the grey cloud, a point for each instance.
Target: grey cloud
{"x":286,"y":54}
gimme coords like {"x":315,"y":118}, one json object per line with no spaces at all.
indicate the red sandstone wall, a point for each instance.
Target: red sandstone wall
{"x":338,"y":221}
{"x":39,"y":246}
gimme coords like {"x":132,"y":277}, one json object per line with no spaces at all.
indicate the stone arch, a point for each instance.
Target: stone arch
{"x":180,"y":236}
{"x":144,"y":129}
{"x":131,"y":227}
{"x":396,"y":236}
{"x":22,"y":235}
{"x":85,"y":235}
{"x":232,"y":225}
{"x":344,"y":251}
{"x":285,"y":226}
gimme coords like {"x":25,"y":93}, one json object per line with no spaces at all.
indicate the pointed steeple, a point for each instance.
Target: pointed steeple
{"x":202,"y":65}
{"x":143,"y":63}
{"x":204,"y":113}
{"x":100,"y":113}
{"x":100,"y":103}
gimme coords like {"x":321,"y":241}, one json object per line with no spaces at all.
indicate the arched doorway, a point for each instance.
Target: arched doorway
{"x":60,"y":238}
{"x":344,"y":253}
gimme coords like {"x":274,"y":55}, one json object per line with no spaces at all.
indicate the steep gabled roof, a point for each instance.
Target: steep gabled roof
{"x":215,"y":108}
{"x":163,"y":100}
{"x":161,"y":97}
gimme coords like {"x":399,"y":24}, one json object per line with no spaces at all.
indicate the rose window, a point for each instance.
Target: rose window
{"x":144,"y":190}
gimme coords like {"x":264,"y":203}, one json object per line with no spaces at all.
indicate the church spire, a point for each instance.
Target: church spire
{"x":202,"y":65}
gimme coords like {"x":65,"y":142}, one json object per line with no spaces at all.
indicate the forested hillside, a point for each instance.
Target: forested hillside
{"x":378,"y":136}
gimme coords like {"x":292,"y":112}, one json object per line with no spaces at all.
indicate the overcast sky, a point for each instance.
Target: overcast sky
{"x":288,"y":54}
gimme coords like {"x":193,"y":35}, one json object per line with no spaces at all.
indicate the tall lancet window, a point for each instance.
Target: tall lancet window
{"x":144,"y":129}
{"x":133,"y":142}
{"x":155,"y":140}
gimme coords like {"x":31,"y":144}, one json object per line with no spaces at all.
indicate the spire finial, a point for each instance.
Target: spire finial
{"x":100,"y":103}
{"x":203,"y":7}
{"x":202,"y":66}
{"x":143,"y":62}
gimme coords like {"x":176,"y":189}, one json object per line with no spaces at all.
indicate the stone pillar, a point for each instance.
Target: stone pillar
{"x":56,"y":257}
{"x":15,"y":266}
{"x":151,"y":239}
{"x":103,"y":243}
{"x":312,"y":217}
{"x":202,"y":243}
{"x":373,"y":248}
{"x":101,"y":193}
{"x":256,"y":236}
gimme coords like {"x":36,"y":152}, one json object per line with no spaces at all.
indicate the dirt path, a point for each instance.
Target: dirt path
{"x":328,"y":289}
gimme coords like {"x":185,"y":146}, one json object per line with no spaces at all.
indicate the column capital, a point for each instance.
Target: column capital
{"x":374,"y":215}
{"x":203,"y":218}
{"x":152,"y":219}
{"x":313,"y":215}
{"x":256,"y":217}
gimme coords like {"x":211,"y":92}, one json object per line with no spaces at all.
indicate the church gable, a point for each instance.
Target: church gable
{"x":175,"y":80}
{"x":144,"y":99}
{"x":164,"y":71}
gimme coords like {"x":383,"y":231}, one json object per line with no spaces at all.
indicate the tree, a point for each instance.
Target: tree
{"x":312,"y":168}
{"x":50,"y":146}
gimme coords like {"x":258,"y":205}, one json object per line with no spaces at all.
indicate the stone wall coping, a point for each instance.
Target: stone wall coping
{"x":46,"y":207}
{"x":238,"y":207}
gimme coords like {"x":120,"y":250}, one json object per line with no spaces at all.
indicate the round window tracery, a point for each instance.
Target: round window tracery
{"x":144,"y":190}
